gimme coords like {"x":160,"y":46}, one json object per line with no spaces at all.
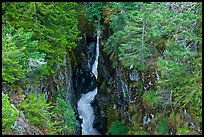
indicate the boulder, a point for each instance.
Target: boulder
{"x":133,"y":75}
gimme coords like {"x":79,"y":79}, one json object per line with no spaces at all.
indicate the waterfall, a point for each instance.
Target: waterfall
{"x":95,"y":65}
{"x":85,"y":110}
{"x":157,"y":78}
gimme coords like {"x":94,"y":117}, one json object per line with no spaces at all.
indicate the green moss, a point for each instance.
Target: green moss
{"x":140,"y":132}
{"x":112,"y":112}
{"x":150,"y":98}
{"x":172,"y":116}
{"x":104,"y":86}
{"x":183,"y":131}
{"x":118,"y":128}
{"x":137,"y":129}
{"x":100,"y":79}
{"x":162,"y":126}
{"x":73,"y":58}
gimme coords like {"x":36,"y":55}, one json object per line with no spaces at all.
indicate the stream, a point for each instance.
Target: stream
{"x":85,"y":110}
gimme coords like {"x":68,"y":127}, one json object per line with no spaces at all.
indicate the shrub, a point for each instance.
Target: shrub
{"x":36,"y":110}
{"x":9,"y":114}
{"x":118,"y":128}
{"x":151,"y":98}
{"x":162,"y":127}
{"x":65,"y":116}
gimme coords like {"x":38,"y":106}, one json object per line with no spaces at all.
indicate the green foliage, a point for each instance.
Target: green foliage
{"x":54,"y":26}
{"x":12,"y":56}
{"x":181,"y":67}
{"x":21,"y":57}
{"x":151,"y":98}
{"x":9,"y":114}
{"x":173,"y":116}
{"x":95,"y":11}
{"x":112,"y":112}
{"x":104,"y":86}
{"x":168,"y":36}
{"x":61,"y":93}
{"x":53,"y":129}
{"x":137,"y":129}
{"x":184,"y":131}
{"x":65,"y":116}
{"x":118,"y":128}
{"x":128,"y":40}
{"x":162,"y":126}
{"x":36,"y":110}
{"x":140,"y":132}
{"x":123,"y":13}
{"x":37,"y":35}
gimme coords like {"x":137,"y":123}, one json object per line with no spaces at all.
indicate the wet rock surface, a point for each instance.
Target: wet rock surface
{"x":91,"y":53}
{"x":101,"y":100}
{"x":133,"y":75}
{"x":99,"y":105}
{"x":84,"y":82}
{"x":84,"y":79}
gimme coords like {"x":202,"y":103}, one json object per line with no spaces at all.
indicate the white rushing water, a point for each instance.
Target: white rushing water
{"x":85,"y":109}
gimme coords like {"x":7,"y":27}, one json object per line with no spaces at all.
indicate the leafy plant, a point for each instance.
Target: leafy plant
{"x":183,"y":131}
{"x":137,"y":129}
{"x":128,"y":42}
{"x":168,"y":33}
{"x":151,"y":98}
{"x":9,"y":114}
{"x":118,"y":128}
{"x":162,"y":126}
{"x":95,"y":11}
{"x":12,"y":68}
{"x":66,"y":117}
{"x":54,"y":26}
{"x":36,"y":110}
{"x":21,"y":58}
{"x":140,"y":132}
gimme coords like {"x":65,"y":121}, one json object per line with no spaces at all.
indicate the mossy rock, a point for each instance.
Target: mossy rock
{"x":100,"y":80}
{"x":137,"y":129}
{"x":109,"y":91}
{"x":133,"y":84}
{"x":104,"y":86}
{"x":150,"y":99}
{"x":73,"y":58}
